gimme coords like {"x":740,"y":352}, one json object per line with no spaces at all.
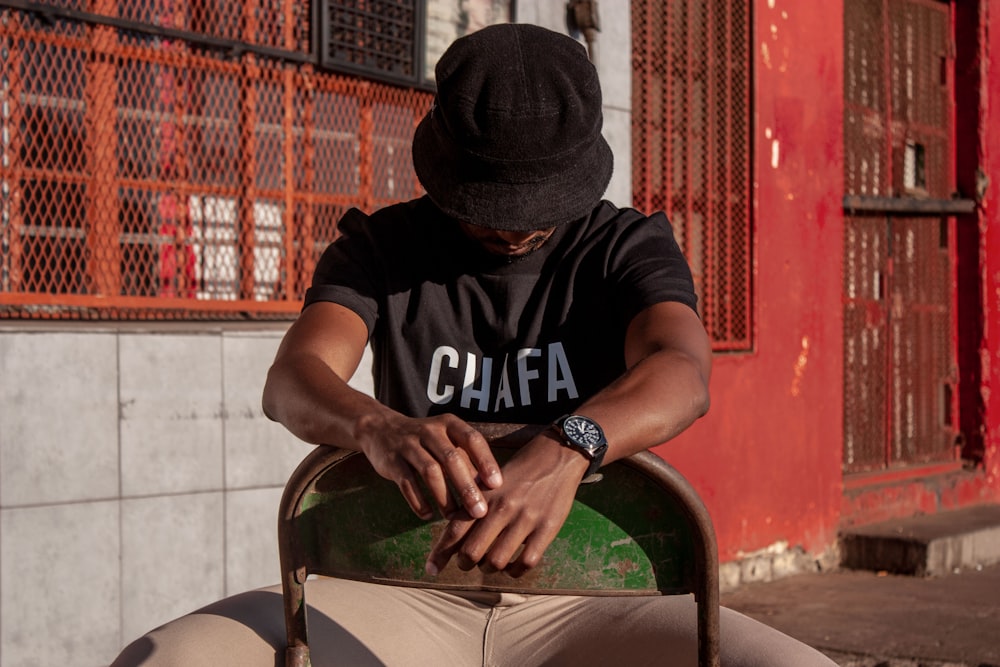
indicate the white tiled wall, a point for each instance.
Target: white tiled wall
{"x":60,"y":585}
{"x":58,"y":418}
{"x":139,"y":480}
{"x":172,"y":555}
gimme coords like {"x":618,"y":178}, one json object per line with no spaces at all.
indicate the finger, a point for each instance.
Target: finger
{"x":448,"y":543}
{"x":532,"y":552}
{"x":426,"y":466}
{"x":464,"y":485}
{"x":500,"y":552}
{"x":479,"y":452}
{"x":459,"y":472}
{"x":407,"y":484}
{"x":493,"y":540}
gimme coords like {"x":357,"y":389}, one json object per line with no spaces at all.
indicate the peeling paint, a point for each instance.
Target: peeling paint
{"x":800,"y":367}
{"x":775,"y":152}
{"x":777,"y":548}
{"x":765,"y":55}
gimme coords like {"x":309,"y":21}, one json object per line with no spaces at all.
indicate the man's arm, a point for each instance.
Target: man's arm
{"x":664,"y":390}
{"x":307,"y":391}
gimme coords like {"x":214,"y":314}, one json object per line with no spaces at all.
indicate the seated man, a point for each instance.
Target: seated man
{"x":509,"y":293}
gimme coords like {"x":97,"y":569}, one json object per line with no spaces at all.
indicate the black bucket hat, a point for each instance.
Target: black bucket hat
{"x":513,"y":140}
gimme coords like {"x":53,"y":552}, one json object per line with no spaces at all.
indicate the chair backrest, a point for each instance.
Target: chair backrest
{"x":640,"y":530}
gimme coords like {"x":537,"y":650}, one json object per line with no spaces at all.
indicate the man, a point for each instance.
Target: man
{"x":510,"y":293}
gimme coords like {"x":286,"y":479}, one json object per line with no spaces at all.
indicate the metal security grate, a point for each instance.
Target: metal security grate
{"x":899,"y":356}
{"x":154,"y":173}
{"x":374,"y":36}
{"x":897,"y":98}
{"x":691,"y":146}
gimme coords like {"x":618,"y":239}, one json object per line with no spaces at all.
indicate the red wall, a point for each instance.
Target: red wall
{"x":766,"y":459}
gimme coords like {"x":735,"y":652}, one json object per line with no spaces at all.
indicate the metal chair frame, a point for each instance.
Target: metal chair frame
{"x":676,"y":568}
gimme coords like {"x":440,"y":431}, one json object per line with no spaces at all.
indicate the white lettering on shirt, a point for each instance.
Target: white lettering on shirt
{"x":477,"y":378}
{"x":524,"y":375}
{"x":469,"y":390}
{"x":445,"y":395}
{"x":503,"y":391}
{"x":560,"y":376}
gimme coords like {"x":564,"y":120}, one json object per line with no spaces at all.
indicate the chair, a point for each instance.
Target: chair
{"x":640,"y":530}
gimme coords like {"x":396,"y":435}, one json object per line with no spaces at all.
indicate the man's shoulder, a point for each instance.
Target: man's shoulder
{"x":387,"y":227}
{"x":607,"y":217}
{"x":400,"y":213}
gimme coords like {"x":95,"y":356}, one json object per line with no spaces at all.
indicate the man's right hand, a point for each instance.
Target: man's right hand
{"x":442,"y":454}
{"x":307,"y":391}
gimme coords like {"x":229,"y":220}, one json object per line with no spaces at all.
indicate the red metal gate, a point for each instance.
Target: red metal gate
{"x":691,"y":146}
{"x":900,"y":402}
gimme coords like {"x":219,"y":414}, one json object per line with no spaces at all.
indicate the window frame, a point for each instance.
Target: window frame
{"x":419,"y":80}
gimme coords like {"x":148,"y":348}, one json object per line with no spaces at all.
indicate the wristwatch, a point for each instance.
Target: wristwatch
{"x":586,"y":436}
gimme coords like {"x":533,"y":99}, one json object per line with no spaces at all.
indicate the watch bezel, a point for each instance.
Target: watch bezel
{"x":594,"y":452}
{"x":590,"y":448}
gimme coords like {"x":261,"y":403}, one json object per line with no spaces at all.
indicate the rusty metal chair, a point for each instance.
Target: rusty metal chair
{"x":640,"y":530}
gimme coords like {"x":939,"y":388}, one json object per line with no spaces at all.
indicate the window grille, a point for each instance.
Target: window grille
{"x":375,"y":37}
{"x":691,"y":146}
{"x":167,"y":159}
{"x":399,"y":41}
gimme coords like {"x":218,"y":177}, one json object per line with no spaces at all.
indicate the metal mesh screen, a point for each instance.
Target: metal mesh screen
{"x":691,"y":146}
{"x":146,"y":175}
{"x":866,"y":343}
{"x":900,"y":369}
{"x":922,"y":427}
{"x":897,"y":98}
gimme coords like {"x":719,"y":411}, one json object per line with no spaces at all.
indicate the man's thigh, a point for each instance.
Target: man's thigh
{"x":350,"y":623}
{"x":581,"y":631}
{"x":367,"y":624}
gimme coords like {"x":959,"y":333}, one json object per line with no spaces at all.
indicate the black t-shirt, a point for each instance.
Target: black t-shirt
{"x":456,"y":329}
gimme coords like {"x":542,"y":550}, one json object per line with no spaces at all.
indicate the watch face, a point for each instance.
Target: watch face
{"x":583,"y":432}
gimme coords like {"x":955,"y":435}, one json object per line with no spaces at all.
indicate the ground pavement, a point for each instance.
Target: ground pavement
{"x":872,"y":619}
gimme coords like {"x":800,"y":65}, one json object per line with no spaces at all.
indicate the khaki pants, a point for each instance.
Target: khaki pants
{"x":359,"y":624}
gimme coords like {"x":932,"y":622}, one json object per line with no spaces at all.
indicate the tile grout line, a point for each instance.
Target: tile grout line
{"x":121,"y":488}
{"x":224,"y":485}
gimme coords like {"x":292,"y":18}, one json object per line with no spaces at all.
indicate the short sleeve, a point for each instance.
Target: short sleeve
{"x":648,"y":267}
{"x":348,"y":271}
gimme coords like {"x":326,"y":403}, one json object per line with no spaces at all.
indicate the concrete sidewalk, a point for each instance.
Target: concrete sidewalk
{"x":870,"y":619}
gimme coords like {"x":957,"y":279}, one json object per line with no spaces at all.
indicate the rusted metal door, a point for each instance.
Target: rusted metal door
{"x":900,"y":402}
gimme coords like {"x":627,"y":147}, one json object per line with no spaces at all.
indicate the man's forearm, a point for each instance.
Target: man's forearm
{"x":314,"y":403}
{"x":651,"y":403}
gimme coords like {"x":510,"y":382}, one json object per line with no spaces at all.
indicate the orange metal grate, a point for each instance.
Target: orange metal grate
{"x":691,"y":146}
{"x":145,"y":176}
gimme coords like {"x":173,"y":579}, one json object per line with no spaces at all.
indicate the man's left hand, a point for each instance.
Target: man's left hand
{"x":540,"y":482}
